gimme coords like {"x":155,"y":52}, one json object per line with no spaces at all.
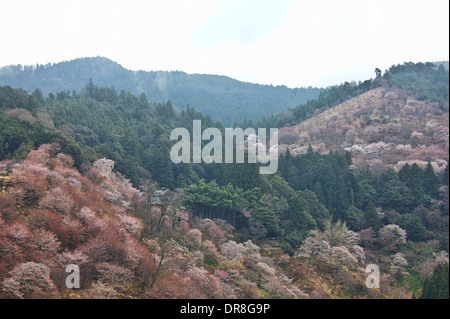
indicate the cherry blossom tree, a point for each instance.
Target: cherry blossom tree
{"x":8,"y":207}
{"x":46,"y":241}
{"x":367,"y":237}
{"x":358,"y":253}
{"x":234,"y":251}
{"x":76,"y":257}
{"x":28,"y":187}
{"x":19,"y":233}
{"x":30,"y":280}
{"x":208,"y":284}
{"x":58,"y":201}
{"x":315,"y":247}
{"x":211,"y":231}
{"x":392,"y":236}
{"x":398,"y":264}
{"x":114,"y":275}
{"x":287,"y":135}
{"x":343,"y":257}
{"x":132,"y":224}
{"x":99,"y":290}
{"x":194,"y":238}
{"x":210,"y":252}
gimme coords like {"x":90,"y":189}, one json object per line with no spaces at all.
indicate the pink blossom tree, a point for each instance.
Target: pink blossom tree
{"x":99,"y":290}
{"x":58,"y":201}
{"x":30,"y":280}
{"x":392,"y":236}
{"x":194,"y":238}
{"x":114,"y":275}
{"x":343,"y":257}
{"x":358,"y":253}
{"x":132,"y":224}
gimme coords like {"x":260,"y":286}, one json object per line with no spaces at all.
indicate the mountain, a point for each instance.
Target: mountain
{"x":224,"y":99}
{"x":427,"y":81}
{"x":387,"y":125}
{"x":224,"y":230}
{"x":400,"y":117}
{"x":54,"y":220}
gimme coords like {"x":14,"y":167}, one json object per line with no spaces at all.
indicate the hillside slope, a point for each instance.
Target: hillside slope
{"x":125,"y":246}
{"x":385,"y":125}
{"x":224,"y":99}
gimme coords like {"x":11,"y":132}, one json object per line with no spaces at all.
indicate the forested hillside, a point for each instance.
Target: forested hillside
{"x":428,"y":81}
{"x":404,"y":121}
{"x":224,"y":99}
{"x":82,"y":177}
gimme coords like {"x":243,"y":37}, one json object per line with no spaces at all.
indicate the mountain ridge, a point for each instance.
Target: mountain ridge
{"x":223,"y":98}
{"x":379,"y":128}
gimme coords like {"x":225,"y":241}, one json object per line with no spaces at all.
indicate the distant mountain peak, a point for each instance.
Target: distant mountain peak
{"x":223,"y":98}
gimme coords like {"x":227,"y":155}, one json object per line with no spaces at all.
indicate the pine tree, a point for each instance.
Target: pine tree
{"x":404,"y":173}
{"x":371,"y":217}
{"x":267,"y":217}
{"x":318,"y":211}
{"x":299,"y":220}
{"x":437,"y":286}
{"x":416,"y":184}
{"x":158,"y":160}
{"x":445,"y":176}
{"x":431,"y":181}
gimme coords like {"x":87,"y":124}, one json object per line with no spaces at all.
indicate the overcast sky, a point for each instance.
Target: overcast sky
{"x":281,"y":42}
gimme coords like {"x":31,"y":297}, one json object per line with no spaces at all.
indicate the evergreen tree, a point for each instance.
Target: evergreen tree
{"x":158,"y":160}
{"x":431,"y":181}
{"x":318,"y":211}
{"x":415,"y":182}
{"x":445,"y":176}
{"x":415,"y":230}
{"x":298,"y":219}
{"x":394,"y":194}
{"x":356,"y":219}
{"x":404,"y":173}
{"x":267,"y":217}
{"x":371,"y":217}
{"x":437,"y":286}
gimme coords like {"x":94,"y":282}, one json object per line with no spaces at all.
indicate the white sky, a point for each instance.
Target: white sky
{"x":280,"y":42}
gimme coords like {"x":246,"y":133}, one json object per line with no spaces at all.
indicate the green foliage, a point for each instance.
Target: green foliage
{"x":288,"y":249}
{"x":244,"y":175}
{"x":307,"y":191}
{"x":297,"y":219}
{"x":445,"y":176}
{"x":327,"y":175}
{"x":443,"y":243}
{"x":366,"y":190}
{"x":225,"y":99}
{"x":327,"y":98}
{"x":427,"y":80}
{"x":336,"y":233}
{"x":430,"y":181}
{"x":268,"y":218}
{"x":209,"y":200}
{"x":317,"y":210}
{"x":415,"y":230}
{"x":394,"y":194}
{"x":436,"y":287}
{"x":355,"y":219}
{"x":371,"y":217}
{"x":157,"y":157}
